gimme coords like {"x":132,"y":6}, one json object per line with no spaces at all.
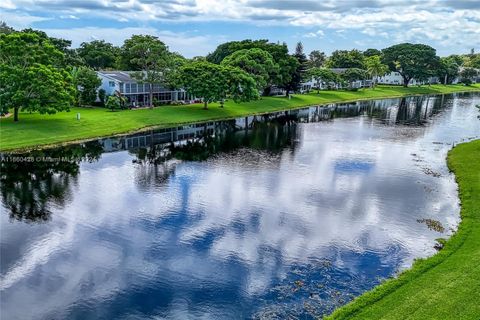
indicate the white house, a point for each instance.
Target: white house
{"x":313,"y":84}
{"x":137,"y":94}
{"x":392,"y":78}
{"x":396,"y":79}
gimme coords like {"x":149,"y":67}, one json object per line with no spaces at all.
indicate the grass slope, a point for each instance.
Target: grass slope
{"x":34,"y":130}
{"x":447,"y":285}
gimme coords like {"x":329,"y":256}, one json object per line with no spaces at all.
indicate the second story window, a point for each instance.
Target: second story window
{"x":111,"y":83}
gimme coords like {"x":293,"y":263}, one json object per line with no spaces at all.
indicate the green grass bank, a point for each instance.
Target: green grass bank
{"x":447,"y":285}
{"x":35,"y":130}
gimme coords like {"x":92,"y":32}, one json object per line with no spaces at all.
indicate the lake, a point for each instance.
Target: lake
{"x":286,"y":215}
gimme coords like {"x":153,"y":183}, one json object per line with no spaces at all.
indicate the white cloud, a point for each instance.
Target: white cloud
{"x":7,"y":4}
{"x":318,"y":34}
{"x":19,"y":21}
{"x":70,"y":16}
{"x":436,"y":22}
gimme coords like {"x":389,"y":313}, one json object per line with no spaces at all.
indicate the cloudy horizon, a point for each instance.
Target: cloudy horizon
{"x":196,"y":27}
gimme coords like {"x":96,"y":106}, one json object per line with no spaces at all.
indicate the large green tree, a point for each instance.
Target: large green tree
{"x":99,"y":54}
{"x":70,"y":56}
{"x":288,"y":69}
{"x":316,"y":58}
{"x":448,"y":69}
{"x":346,"y":59}
{"x":150,"y":58}
{"x":467,"y":75}
{"x":32,"y":77}
{"x":472,"y":60}
{"x":298,"y":74}
{"x":213,"y":82}
{"x":240,"y":85}
{"x":411,"y":60}
{"x":204,"y":80}
{"x":172,"y":73}
{"x":86,"y":82}
{"x":354,"y":74}
{"x":227,"y":48}
{"x":256,"y":62}
{"x":287,"y":64}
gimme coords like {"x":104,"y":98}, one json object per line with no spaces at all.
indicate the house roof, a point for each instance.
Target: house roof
{"x":121,"y":76}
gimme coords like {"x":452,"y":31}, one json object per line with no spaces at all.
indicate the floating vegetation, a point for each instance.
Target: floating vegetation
{"x":430,"y":172}
{"x":310,"y":291}
{"x":433,"y":224}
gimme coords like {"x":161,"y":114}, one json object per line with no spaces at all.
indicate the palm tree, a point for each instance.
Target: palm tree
{"x":375,"y":68}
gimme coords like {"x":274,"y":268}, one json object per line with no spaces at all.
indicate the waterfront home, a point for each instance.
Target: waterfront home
{"x":396,"y":79}
{"x":311,"y":84}
{"x":137,"y":93}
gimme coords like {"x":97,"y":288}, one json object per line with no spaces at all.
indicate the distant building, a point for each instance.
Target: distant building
{"x":312,"y":83}
{"x":138,"y":94}
{"x":396,"y":79}
{"x":392,"y":78}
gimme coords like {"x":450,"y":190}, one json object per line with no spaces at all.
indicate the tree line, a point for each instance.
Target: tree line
{"x":44,"y":74}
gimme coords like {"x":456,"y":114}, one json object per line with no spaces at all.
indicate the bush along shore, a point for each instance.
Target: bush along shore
{"x":446,"y":285}
{"x":35,"y":130}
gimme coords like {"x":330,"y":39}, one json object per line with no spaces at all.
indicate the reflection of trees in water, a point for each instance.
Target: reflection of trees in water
{"x":29,"y":188}
{"x":417,"y":110}
{"x":406,"y":110}
{"x":154,"y":167}
{"x":156,"y":175}
{"x":276,"y":131}
{"x":272,"y":136}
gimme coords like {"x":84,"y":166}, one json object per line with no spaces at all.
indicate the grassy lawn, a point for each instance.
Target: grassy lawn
{"x":34,"y":130}
{"x":447,"y":285}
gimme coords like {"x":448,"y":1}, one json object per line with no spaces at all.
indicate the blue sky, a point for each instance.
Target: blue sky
{"x":196,"y":27}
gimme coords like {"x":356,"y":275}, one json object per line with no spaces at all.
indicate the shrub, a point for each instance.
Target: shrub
{"x":101,"y":96}
{"x":156,"y":103}
{"x":113,"y":103}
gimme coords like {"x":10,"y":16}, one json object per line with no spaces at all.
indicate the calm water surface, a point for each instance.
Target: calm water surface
{"x":285,"y":216}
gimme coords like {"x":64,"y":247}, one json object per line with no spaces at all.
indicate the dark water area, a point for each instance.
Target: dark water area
{"x":282,"y":216}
